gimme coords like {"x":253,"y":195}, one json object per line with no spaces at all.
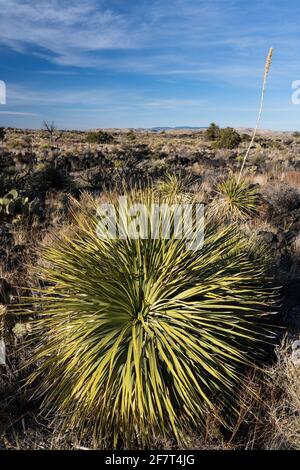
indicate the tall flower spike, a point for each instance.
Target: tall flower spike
{"x":269,"y":61}
{"x":266,"y":71}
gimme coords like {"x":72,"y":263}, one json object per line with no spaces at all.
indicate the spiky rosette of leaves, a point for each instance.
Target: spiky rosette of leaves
{"x":141,"y":337}
{"x":174,"y":186}
{"x":236,"y":200}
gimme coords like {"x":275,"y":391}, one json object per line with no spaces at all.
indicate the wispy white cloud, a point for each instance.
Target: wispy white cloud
{"x":21,"y":96}
{"x":66,"y":29}
{"x":17,"y":113}
{"x":95,"y":99}
{"x":218,"y":70}
{"x":72,"y":33}
{"x":146,"y":58}
{"x":57,"y":72}
{"x":181,"y":37}
{"x":173,"y":103}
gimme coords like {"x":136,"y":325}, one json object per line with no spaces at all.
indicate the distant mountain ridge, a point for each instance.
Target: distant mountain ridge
{"x":181,"y":128}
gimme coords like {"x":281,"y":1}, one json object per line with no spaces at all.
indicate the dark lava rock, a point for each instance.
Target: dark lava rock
{"x":268,"y":237}
{"x":287,"y":237}
{"x":291,"y":305}
{"x":6,"y":290}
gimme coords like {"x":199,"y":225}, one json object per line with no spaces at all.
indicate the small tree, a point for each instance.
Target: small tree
{"x":212,"y":132}
{"x":50,"y":127}
{"x":228,"y":138}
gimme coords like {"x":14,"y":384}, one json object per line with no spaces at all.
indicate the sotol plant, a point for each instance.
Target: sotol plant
{"x":174,"y":186}
{"x":237,"y":199}
{"x":137,"y":337}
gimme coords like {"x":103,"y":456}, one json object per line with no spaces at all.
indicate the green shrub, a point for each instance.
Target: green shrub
{"x":2,"y":133}
{"x":246,"y":137}
{"x":139,"y":337}
{"x":212,"y":132}
{"x":6,"y":182}
{"x":228,"y":138}
{"x":131,"y":136}
{"x":50,"y":177}
{"x":99,"y":137}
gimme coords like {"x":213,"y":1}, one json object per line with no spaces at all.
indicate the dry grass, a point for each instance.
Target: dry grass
{"x":292,"y":178}
{"x":282,"y":430}
{"x":296,"y":248}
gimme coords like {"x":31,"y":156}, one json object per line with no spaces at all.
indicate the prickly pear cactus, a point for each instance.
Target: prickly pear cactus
{"x":14,"y":203}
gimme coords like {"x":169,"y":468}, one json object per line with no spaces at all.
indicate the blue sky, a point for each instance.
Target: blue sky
{"x":143,"y":63}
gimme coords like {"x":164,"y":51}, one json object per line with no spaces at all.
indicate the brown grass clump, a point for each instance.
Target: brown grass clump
{"x":284,"y":400}
{"x":292,"y":178}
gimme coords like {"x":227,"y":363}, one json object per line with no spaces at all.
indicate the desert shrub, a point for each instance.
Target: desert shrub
{"x":14,"y":144}
{"x":228,"y":138}
{"x":140,"y":337}
{"x":275,"y":144}
{"x":154,"y":168}
{"x":100,"y":137}
{"x":236,"y":199}
{"x":292,"y":178}
{"x":50,"y":177}
{"x":246,"y":137}
{"x":6,"y":183}
{"x":44,"y":146}
{"x":283,"y":198}
{"x":131,"y":136}
{"x":296,"y":134}
{"x":287,"y":141}
{"x":212,"y":132}
{"x":2,"y":133}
